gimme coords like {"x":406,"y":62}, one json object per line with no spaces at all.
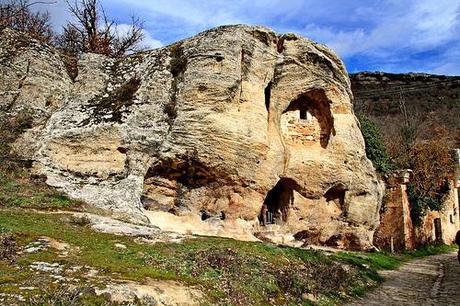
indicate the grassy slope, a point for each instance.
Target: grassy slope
{"x":271,"y":274}
{"x":19,"y":189}
{"x":228,"y":271}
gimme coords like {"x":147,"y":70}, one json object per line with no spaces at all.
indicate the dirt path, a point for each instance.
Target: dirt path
{"x":434,"y":280}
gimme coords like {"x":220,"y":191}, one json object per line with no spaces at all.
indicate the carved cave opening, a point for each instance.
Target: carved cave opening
{"x":308,"y":119}
{"x":304,"y":114}
{"x":275,"y":209}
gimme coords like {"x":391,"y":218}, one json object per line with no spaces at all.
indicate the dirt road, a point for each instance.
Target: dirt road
{"x":433,"y":280}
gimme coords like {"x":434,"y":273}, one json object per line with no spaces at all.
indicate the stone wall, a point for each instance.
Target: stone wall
{"x":396,"y":229}
{"x":449,"y":221}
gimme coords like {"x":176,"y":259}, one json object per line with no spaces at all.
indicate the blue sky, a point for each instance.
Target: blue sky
{"x":382,"y":35}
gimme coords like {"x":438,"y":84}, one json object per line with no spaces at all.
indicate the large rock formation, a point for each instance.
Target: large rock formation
{"x":201,"y":134}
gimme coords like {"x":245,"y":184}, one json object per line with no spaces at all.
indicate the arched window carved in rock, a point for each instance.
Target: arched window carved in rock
{"x":308,"y":120}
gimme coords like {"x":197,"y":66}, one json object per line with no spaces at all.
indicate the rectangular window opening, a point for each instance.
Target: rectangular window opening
{"x":303,"y":114}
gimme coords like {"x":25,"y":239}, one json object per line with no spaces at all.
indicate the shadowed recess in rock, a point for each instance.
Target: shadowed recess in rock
{"x":277,"y":202}
{"x":336,"y":194}
{"x":188,"y":171}
{"x":267,"y":93}
{"x":166,"y":183}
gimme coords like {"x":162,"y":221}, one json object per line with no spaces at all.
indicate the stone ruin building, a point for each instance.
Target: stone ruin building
{"x":397,"y":232}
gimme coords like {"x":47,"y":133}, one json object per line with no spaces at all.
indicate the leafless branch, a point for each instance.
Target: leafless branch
{"x":97,"y":33}
{"x":16,"y":14}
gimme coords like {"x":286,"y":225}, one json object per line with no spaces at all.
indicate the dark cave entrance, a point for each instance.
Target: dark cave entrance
{"x":275,"y":209}
{"x":267,"y":94}
{"x":337,"y":195}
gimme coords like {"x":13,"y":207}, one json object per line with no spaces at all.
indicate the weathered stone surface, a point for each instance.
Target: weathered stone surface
{"x":209,"y":129}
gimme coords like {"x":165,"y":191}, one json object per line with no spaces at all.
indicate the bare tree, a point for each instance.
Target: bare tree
{"x":92,"y":31}
{"x":17,"y":14}
{"x":69,"y":41}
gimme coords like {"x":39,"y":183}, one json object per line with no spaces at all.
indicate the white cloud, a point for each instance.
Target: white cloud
{"x":149,"y":42}
{"x":389,"y":32}
{"x":345,"y":43}
{"x":449,"y":62}
{"x":421,"y":26}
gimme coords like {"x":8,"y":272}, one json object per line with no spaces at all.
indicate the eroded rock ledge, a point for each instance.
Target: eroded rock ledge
{"x":212,"y":135}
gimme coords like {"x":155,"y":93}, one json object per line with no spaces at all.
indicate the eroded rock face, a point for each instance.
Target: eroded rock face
{"x":231,"y":127}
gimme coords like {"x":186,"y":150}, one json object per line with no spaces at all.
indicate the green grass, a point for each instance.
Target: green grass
{"x":271,"y":274}
{"x":228,"y":271}
{"x":386,"y":261}
{"x":429,"y":250}
{"x":19,"y":189}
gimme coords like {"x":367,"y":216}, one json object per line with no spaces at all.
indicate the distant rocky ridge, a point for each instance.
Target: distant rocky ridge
{"x":215,"y":134}
{"x":434,"y":99}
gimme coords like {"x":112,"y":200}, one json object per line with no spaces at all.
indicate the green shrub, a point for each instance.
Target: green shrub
{"x":178,"y":62}
{"x":420,"y":204}
{"x":375,"y":148}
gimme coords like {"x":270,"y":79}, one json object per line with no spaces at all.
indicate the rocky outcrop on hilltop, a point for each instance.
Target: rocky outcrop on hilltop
{"x":215,"y":134}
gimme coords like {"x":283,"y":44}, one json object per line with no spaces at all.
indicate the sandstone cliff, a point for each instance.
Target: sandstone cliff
{"x":200,"y":134}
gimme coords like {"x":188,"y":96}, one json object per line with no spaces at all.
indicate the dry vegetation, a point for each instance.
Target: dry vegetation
{"x":417,"y":115}
{"x":92,"y":31}
{"x":229,"y":272}
{"x":17,"y":14}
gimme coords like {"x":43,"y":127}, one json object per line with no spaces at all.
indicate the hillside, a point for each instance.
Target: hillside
{"x":432,"y":102}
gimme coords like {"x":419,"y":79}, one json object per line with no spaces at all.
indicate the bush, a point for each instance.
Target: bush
{"x":61,"y":296}
{"x":178,"y":63}
{"x":375,"y":148}
{"x":432,"y":166}
{"x":80,"y":220}
{"x":419,"y":205}
{"x":8,"y":247}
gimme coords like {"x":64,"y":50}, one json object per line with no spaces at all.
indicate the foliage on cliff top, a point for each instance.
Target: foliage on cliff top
{"x":18,"y":15}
